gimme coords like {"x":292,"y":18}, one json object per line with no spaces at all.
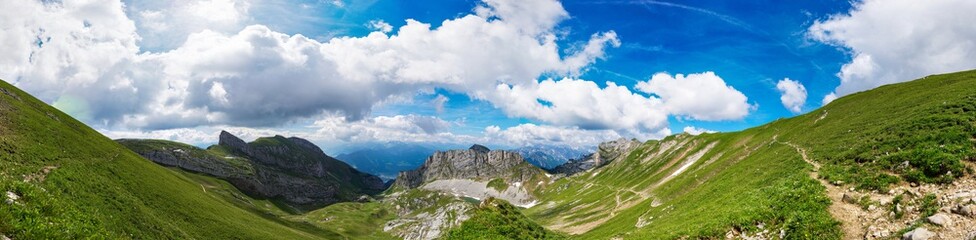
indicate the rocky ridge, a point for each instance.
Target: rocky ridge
{"x":475,"y":163}
{"x":291,"y":169}
{"x":606,"y":152}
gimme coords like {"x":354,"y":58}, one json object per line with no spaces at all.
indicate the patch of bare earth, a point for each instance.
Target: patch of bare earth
{"x":872,"y":215}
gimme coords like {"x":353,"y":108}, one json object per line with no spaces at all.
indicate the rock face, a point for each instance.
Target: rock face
{"x":291,"y":169}
{"x":605,"y":153}
{"x":475,"y":163}
{"x":918,"y":234}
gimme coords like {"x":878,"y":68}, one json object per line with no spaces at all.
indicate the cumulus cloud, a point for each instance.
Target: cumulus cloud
{"x":385,"y":128}
{"x":696,"y":131}
{"x":439,"y":102}
{"x":259,"y":77}
{"x":87,"y":57}
{"x":380,"y":25}
{"x":165,"y":24}
{"x":532,"y":134}
{"x":699,"y":96}
{"x":893,"y":41}
{"x":792,"y":94}
{"x":573,"y":102}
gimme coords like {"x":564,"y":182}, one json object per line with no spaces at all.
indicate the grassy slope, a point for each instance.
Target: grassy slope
{"x":95,"y":187}
{"x":350,"y":219}
{"x":347,"y":178}
{"x":753,"y":176}
{"x":497,"y":219}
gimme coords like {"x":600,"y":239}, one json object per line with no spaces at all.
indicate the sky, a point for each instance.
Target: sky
{"x":504,"y":73}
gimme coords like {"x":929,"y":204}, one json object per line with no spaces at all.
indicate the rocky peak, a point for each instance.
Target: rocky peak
{"x":228,"y":139}
{"x":606,"y":152}
{"x":479,"y":148}
{"x":475,"y":163}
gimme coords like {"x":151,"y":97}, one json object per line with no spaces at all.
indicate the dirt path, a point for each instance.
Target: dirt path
{"x":845,"y":213}
{"x":620,"y":204}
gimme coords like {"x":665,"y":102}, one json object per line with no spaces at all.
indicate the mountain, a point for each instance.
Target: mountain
{"x":444,"y":192}
{"x":387,"y":159}
{"x":291,"y":169}
{"x":60,"y":179}
{"x":891,"y":162}
{"x":550,"y":156}
{"x":606,"y":152}
{"x":477,"y":172}
{"x":874,"y":164}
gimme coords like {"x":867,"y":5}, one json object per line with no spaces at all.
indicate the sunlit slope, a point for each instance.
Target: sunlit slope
{"x":729,"y":183}
{"x":72,"y":182}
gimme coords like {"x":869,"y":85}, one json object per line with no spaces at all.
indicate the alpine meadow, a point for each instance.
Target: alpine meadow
{"x":487,"y":119}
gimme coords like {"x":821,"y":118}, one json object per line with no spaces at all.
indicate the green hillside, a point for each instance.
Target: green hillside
{"x":497,"y":219}
{"x":72,"y":182}
{"x":753,"y":180}
{"x":774,"y":180}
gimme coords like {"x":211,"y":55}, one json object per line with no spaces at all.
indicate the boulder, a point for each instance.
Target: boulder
{"x":849,"y":198}
{"x":968,"y":210}
{"x":918,"y":234}
{"x":940,"y":219}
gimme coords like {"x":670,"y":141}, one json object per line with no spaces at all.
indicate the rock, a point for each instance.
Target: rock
{"x":476,"y":163}
{"x":940,"y":219}
{"x":918,"y":234}
{"x":12,"y":196}
{"x":606,"y":152}
{"x":4,"y":237}
{"x":872,"y":207}
{"x":291,"y":169}
{"x":968,"y":210}
{"x":479,"y":148}
{"x":848,"y":198}
{"x":971,"y":235}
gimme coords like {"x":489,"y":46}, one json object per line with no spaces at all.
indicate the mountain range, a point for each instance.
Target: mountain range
{"x":893,"y":162}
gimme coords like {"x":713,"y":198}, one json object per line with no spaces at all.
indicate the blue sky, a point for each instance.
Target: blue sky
{"x":504,"y":73}
{"x":751,"y":45}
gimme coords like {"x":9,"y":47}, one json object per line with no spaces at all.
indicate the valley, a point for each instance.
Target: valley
{"x":878,"y":164}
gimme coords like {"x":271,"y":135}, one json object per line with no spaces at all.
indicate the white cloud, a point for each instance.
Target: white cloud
{"x":259,"y":77}
{"x":899,"y":40}
{"x":700,"y":96}
{"x":439,"y":102}
{"x":166,"y":24}
{"x":384,"y":128}
{"x":379,"y":25}
{"x":531,"y":134}
{"x":574,"y":102}
{"x":696,"y":131}
{"x":793,"y":94}
{"x":220,"y":72}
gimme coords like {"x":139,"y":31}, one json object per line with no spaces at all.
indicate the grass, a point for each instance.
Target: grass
{"x":497,"y":219}
{"x":498,"y":184}
{"x":919,"y":131}
{"x":95,"y":188}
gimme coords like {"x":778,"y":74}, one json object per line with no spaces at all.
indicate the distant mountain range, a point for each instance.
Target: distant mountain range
{"x":550,"y":156}
{"x":387,"y":159}
{"x":892,"y":162}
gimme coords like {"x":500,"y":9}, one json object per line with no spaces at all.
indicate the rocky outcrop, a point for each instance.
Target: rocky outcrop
{"x":475,"y":163}
{"x":291,"y":169}
{"x":606,"y":152}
